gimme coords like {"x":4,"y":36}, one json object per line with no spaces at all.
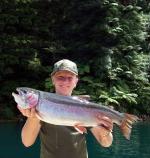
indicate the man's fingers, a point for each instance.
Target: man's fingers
{"x":18,"y":106}
{"x":33,"y":112}
{"x":106,"y":122}
{"x":27,"y":112}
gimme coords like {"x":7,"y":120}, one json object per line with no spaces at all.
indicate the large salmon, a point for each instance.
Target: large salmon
{"x":71,"y":111}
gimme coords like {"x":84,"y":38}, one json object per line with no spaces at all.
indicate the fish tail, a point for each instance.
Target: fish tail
{"x":126,"y":125}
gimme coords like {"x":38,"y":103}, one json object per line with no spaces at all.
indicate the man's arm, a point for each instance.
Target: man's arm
{"x":103,"y":132}
{"x":31,"y":128}
{"x":103,"y":136}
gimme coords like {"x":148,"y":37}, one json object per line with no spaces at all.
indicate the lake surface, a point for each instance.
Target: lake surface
{"x":137,"y":147}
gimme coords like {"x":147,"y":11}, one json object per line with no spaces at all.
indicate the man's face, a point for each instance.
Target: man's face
{"x":64,"y":82}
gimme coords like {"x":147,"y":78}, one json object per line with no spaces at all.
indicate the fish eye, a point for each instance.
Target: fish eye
{"x":22,"y":92}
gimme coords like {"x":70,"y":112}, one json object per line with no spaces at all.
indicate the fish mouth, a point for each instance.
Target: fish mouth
{"x":14,"y":94}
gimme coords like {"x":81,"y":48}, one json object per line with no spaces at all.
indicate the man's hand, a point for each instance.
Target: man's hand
{"x":103,"y":132}
{"x":28,"y":112}
{"x":105,"y":123}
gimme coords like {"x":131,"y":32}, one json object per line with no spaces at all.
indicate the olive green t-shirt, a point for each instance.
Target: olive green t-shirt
{"x":61,"y":142}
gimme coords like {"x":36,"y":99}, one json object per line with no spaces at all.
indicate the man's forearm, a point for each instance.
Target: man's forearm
{"x":103,"y":136}
{"x":30,"y":131}
{"x":106,"y":140}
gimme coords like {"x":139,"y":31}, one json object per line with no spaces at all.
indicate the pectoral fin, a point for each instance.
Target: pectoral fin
{"x":80,"y":128}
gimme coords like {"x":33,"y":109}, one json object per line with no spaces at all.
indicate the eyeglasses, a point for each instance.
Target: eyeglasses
{"x":62,"y":78}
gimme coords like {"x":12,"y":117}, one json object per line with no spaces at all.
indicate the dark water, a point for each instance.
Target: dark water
{"x":11,"y":145}
{"x":137,"y":147}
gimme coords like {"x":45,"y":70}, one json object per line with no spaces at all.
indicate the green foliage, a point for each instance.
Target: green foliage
{"x":117,"y":96}
{"x":48,"y":85}
{"x":144,"y":99}
{"x":109,"y":40}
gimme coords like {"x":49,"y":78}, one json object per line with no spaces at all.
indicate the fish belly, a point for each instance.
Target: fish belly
{"x":68,"y":115}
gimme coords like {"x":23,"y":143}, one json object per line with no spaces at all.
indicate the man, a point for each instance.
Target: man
{"x":61,"y":141}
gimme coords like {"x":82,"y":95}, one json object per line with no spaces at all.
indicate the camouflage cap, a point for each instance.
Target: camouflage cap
{"x":65,"y":64}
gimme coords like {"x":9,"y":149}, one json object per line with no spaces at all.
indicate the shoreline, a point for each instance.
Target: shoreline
{"x":15,"y":119}
{"x":9,"y":120}
{"x":144,"y":117}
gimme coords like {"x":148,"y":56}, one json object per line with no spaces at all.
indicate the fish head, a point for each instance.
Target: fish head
{"x":26,"y":97}
{"x":19,"y":100}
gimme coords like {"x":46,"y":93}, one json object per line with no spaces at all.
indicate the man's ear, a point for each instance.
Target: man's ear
{"x":77,"y":79}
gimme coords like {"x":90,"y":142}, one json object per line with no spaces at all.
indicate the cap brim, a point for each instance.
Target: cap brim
{"x":64,"y":70}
